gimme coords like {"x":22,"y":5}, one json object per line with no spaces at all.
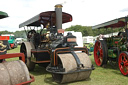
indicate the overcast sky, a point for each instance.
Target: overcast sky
{"x":84,"y":12}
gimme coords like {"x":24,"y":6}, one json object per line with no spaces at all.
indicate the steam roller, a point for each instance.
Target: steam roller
{"x":48,"y":47}
{"x":12,"y":72}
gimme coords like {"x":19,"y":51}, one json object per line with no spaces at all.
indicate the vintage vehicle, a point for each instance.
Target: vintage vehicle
{"x":49,"y":47}
{"x":19,"y":40}
{"x":12,"y":72}
{"x":12,"y":43}
{"x":114,"y":48}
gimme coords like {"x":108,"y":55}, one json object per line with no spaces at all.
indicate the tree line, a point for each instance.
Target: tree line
{"x":88,"y":31}
{"x":85,"y":30}
{"x":18,"y":34}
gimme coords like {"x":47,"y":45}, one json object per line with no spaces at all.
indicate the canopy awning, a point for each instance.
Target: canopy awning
{"x":46,"y":17}
{"x":3,"y":15}
{"x":116,"y":23}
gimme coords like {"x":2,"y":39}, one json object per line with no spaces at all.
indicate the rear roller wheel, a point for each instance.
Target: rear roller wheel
{"x":28,"y":62}
{"x":123,"y":63}
{"x":100,"y":53}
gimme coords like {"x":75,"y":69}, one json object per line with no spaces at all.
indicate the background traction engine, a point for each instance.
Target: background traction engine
{"x":49,"y":47}
{"x":114,"y":48}
{"x":12,"y":72}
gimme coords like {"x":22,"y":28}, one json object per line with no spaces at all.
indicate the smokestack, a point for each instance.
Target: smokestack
{"x":58,"y":9}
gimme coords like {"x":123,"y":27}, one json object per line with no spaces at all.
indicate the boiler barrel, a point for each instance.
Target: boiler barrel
{"x":13,"y":72}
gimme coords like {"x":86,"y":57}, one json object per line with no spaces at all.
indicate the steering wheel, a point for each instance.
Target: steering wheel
{"x":31,"y":33}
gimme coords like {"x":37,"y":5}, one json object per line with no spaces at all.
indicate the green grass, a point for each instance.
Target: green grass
{"x":100,"y":76}
{"x":15,"y":50}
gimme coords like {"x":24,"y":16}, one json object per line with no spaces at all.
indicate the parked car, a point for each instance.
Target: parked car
{"x":19,"y":40}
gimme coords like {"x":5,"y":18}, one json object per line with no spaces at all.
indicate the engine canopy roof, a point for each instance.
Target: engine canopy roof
{"x":3,"y":15}
{"x":46,"y":17}
{"x":116,"y":23}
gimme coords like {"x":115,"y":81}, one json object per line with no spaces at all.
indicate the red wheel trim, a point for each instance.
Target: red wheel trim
{"x":98,"y":58}
{"x":124,"y":67}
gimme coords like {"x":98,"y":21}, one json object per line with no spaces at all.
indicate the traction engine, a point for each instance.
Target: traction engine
{"x":12,"y":72}
{"x":48,"y":47}
{"x":114,"y":48}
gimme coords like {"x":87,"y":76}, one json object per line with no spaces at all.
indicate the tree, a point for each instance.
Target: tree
{"x":85,"y":30}
{"x":20,"y":34}
{"x":5,"y":32}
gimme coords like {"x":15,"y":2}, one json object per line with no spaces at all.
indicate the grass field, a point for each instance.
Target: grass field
{"x":100,"y":76}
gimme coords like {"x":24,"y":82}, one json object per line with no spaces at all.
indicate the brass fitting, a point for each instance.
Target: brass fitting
{"x":58,"y":6}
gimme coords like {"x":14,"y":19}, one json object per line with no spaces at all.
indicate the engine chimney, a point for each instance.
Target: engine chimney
{"x":58,"y":10}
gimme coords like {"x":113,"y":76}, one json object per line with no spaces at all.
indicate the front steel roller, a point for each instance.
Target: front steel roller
{"x":68,"y":62}
{"x":13,"y":72}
